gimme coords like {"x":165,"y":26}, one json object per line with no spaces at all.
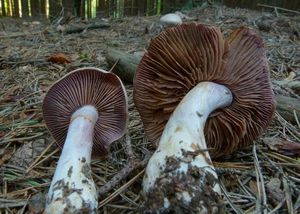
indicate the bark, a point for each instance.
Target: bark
{"x":25,"y":9}
{"x":141,"y":5}
{"x":16,"y":8}
{"x":68,"y":6}
{"x":54,"y":9}
{"x":35,"y":8}
{"x":127,"y":63}
{"x":43,"y":8}
{"x":286,"y":107}
{"x":3,"y":8}
{"x":89,"y":9}
{"x":101,"y":8}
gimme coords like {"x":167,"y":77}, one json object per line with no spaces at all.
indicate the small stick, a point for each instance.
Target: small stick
{"x":235,"y":209}
{"x":288,"y":197}
{"x":122,"y":174}
{"x":278,"y":8}
{"x":39,"y":157}
{"x":260,"y":184}
{"x":22,"y":138}
{"x":128,"y":148}
{"x":120,"y":190}
{"x":296,"y":118}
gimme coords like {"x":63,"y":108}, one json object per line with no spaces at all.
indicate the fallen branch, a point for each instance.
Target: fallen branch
{"x":294,"y":85}
{"x":286,"y":107}
{"x":127,"y":63}
{"x":79,"y":29}
{"x":120,"y":190}
{"x":278,"y":8}
{"x":121,"y":175}
{"x":133,"y":164}
{"x":21,"y":34}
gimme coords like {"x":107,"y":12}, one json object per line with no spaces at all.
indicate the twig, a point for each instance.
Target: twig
{"x":15,"y":35}
{"x":277,"y":207}
{"x":22,"y":138}
{"x":122,"y":174}
{"x":235,"y":209}
{"x":37,"y":162}
{"x":4,"y":203}
{"x":260,"y":184}
{"x":71,"y":30}
{"x":39,"y":157}
{"x":288,"y":197}
{"x":120,"y":190}
{"x":278,"y":8}
{"x":296,"y":118}
{"x":128,"y":148}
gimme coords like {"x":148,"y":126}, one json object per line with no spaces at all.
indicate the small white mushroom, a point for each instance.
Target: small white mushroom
{"x":170,"y":19}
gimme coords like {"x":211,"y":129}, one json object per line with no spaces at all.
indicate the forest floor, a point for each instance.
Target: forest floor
{"x":264,"y":178}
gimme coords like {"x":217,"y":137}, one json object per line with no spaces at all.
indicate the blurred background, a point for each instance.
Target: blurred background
{"x":120,"y":8}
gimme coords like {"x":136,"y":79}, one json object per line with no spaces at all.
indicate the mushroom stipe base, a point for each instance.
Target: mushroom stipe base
{"x":172,"y":184}
{"x":68,"y":197}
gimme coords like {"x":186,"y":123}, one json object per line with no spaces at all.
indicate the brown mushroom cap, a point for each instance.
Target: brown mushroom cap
{"x":181,"y":57}
{"x":87,"y":86}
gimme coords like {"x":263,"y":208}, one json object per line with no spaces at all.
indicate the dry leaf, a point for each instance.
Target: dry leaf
{"x":26,"y":154}
{"x":274,"y":191}
{"x":59,"y":58}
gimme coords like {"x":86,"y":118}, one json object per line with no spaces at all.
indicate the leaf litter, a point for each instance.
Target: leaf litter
{"x":264,"y":178}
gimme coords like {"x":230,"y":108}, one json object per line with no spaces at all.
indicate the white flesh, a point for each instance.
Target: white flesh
{"x":72,"y":188}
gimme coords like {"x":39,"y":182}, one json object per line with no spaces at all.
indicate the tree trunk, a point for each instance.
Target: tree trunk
{"x":25,"y":9}
{"x":3,"y":8}
{"x":166,"y":6}
{"x":77,"y":6}
{"x":68,"y":7}
{"x":35,"y":8}
{"x":150,"y":7}
{"x":141,"y":7}
{"x":100,"y":8}
{"x":9,"y":8}
{"x":16,"y":8}
{"x":43,"y":8}
{"x":89,"y":9}
{"x":82,"y":9}
{"x":127,"y":8}
{"x":54,"y":9}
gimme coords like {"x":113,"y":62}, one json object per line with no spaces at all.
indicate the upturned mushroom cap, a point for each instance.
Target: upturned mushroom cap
{"x":181,"y":57}
{"x":87,"y":86}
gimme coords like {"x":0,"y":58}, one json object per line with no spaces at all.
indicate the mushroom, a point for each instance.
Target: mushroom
{"x":85,"y":111}
{"x":170,"y":19}
{"x":199,"y":96}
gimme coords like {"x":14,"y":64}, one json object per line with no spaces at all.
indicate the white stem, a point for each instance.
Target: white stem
{"x":72,"y":189}
{"x":181,"y":160}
